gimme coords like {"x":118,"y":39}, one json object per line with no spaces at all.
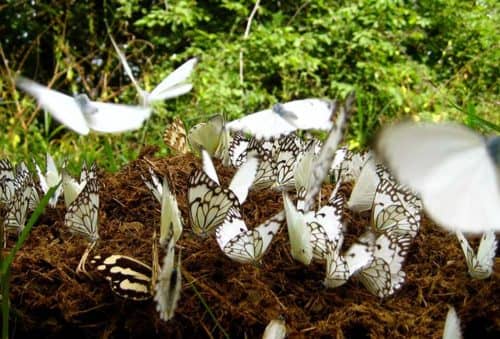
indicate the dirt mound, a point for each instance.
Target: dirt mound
{"x":50,"y":300}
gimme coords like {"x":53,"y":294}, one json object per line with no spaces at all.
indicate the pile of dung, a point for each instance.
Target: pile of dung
{"x":223,"y":298}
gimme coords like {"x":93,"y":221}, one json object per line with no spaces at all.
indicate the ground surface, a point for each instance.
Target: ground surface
{"x":50,"y":300}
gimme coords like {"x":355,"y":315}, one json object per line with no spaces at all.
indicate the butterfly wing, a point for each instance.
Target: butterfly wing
{"x":238,"y":149}
{"x":116,"y":118}
{"x":210,"y":135}
{"x":61,"y":106}
{"x":175,"y":137}
{"x":451,"y":169}
{"x":262,"y":125}
{"x":208,"y":203}
{"x":299,"y":234}
{"x":169,"y":284}
{"x":173,"y":86}
{"x":289,"y":152}
{"x":452,"y":325}
{"x":170,"y":215}
{"x":82,"y":214}
{"x":362,"y":194}
{"x":307,"y":113}
{"x":243,"y":179}
{"x":128,"y":278}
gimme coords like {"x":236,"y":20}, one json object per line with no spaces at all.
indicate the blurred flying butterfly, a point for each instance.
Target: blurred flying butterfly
{"x":453,"y":169}
{"x":175,"y":137}
{"x":81,"y":115}
{"x":129,"y":278}
{"x":286,"y":118}
{"x":209,"y":201}
{"x":50,"y":179}
{"x":174,"y":85}
{"x":243,"y":245}
{"x":384,"y":275}
{"x":169,"y":284}
{"x":480,"y":265}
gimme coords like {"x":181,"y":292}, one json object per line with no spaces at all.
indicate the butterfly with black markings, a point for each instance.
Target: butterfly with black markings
{"x":288,"y":152}
{"x":175,"y":137}
{"x":19,"y":204}
{"x":243,"y":245}
{"x":82,"y":216}
{"x":7,"y":178}
{"x":209,"y":202}
{"x":480,"y":264}
{"x":128,"y":278}
{"x":171,"y":224}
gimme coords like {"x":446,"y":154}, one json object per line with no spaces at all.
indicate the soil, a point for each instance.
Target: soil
{"x":49,"y":300}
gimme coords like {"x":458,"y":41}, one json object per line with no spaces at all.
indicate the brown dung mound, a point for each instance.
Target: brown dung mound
{"x":49,"y":300}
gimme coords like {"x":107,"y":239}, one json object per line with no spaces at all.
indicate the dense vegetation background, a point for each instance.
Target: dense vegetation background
{"x":433,"y":60}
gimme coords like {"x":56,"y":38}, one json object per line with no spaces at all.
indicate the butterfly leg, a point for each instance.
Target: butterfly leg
{"x":81,"y":265}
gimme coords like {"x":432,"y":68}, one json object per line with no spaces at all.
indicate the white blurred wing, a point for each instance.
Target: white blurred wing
{"x":82,"y":214}
{"x":299,"y":234}
{"x":128,"y":278}
{"x":61,"y":106}
{"x":449,"y":166}
{"x":307,"y":113}
{"x":480,"y":265}
{"x":127,"y":69}
{"x":171,"y":220}
{"x":262,"y":125}
{"x":452,"y":325}
{"x":116,"y":118}
{"x":208,"y":203}
{"x":169,"y":284}
{"x":243,"y":179}
{"x":174,"y":84}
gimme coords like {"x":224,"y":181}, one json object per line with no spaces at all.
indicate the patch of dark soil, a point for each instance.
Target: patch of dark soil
{"x":50,"y":300}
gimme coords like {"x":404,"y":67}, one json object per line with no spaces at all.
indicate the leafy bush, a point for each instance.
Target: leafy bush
{"x":433,"y":60}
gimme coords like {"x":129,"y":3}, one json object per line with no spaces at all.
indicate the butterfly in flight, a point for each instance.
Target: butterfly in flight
{"x":453,"y":169}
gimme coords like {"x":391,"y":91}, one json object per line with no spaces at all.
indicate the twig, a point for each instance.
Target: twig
{"x":245,"y":36}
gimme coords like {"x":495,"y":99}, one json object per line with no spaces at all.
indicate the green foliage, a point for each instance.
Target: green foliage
{"x":430,"y":60}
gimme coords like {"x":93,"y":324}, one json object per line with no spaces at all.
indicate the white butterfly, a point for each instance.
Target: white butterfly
{"x":172,"y":86}
{"x":81,"y":115}
{"x":128,"y":277}
{"x":396,"y":210}
{"x":347,"y":164}
{"x":211,"y":136}
{"x":50,"y":179}
{"x":209,"y":201}
{"x":384,"y":275}
{"x":276,"y":329}
{"x":453,"y":169}
{"x":363,"y":191}
{"x":18,"y":205}
{"x":71,"y":188}
{"x":480,"y":265}
{"x":286,"y":118}
{"x":7,"y":178}
{"x":340,"y":267}
{"x":452,"y":325}
{"x":23,"y":175}
{"x":288,"y":152}
{"x":169,"y":284}
{"x":171,"y":219}
{"x":325,"y":157}
{"x":311,"y":232}
{"x":81,"y":216}
{"x":264,"y":151}
{"x":243,"y":245}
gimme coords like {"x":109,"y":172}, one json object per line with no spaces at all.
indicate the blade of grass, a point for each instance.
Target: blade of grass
{"x":205,"y":305}
{"x":7,"y":261}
